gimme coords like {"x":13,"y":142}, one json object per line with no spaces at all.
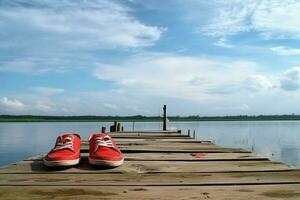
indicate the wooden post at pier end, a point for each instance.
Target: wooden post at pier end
{"x":165,"y":118}
{"x":115,"y":126}
{"x":103,"y":129}
{"x":112,"y":129}
{"x":118,"y":128}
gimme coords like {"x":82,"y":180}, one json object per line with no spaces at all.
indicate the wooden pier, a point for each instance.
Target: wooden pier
{"x":158,"y":165}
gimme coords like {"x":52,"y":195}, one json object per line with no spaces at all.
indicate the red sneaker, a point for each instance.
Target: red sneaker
{"x":66,"y":151}
{"x":104,"y":151}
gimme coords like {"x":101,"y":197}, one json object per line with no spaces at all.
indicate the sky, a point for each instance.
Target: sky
{"x":129,"y":57}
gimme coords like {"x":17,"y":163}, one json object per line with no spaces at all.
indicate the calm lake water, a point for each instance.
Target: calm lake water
{"x":277,"y":140}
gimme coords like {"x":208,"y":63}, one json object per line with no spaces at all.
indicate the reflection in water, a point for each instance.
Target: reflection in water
{"x":277,"y":140}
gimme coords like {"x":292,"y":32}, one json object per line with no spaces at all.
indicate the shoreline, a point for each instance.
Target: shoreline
{"x":120,"y":120}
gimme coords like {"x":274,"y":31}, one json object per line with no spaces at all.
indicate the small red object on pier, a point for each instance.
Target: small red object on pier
{"x":198,"y":155}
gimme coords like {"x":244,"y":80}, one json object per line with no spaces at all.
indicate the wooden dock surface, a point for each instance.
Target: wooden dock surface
{"x":158,"y":165}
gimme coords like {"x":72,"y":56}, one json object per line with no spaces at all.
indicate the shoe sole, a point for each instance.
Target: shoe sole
{"x":108,"y":163}
{"x":61,"y":163}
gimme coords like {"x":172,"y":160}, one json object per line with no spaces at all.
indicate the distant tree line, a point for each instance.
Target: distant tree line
{"x":37,"y":118}
{"x":237,"y":118}
{"x":77,"y":118}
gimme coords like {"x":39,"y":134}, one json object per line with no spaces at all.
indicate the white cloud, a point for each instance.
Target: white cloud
{"x":290,"y":80}
{"x":258,"y":82}
{"x":243,"y":107}
{"x":271,"y":18}
{"x":22,"y":66}
{"x":78,"y":24}
{"x":34,"y":65}
{"x":223,"y":42}
{"x":176,"y":76}
{"x":231,"y":17}
{"x":188,"y":85}
{"x":29,"y":104}
{"x":53,"y":35}
{"x":110,"y":106}
{"x":11,"y":104}
{"x":285,"y":51}
{"x":48,"y":90}
{"x":43,"y":107}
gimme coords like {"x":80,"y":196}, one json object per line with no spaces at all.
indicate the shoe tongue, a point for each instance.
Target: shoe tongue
{"x":100,"y":145}
{"x":66,"y":136}
{"x":63,"y":139}
{"x":100,"y":134}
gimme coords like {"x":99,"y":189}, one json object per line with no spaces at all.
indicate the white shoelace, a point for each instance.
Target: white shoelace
{"x":66,"y":143}
{"x":103,"y":142}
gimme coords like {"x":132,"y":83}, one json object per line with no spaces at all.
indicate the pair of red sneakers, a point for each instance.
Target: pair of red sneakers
{"x":102,"y":151}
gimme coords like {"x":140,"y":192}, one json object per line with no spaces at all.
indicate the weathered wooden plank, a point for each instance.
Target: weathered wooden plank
{"x":169,"y":147}
{"x":161,"y":145}
{"x":160,"y":179}
{"x":147,"y":131}
{"x":150,"y":134}
{"x":153,"y":136}
{"x":266,"y":192}
{"x":163,"y":140}
{"x":159,"y":142}
{"x":183,"y":140}
{"x":192,"y":157}
{"x":152,"y":167}
{"x":179,"y":157}
{"x":225,"y":150}
{"x":166,"y":145}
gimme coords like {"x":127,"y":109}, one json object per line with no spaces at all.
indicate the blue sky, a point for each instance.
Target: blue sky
{"x":127,"y":57}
